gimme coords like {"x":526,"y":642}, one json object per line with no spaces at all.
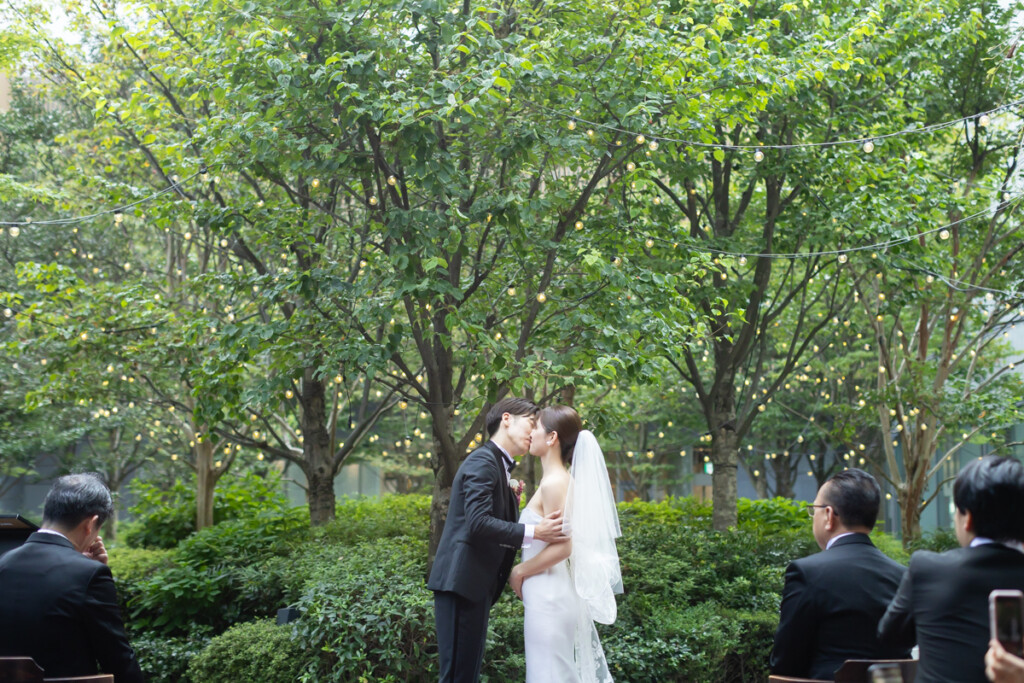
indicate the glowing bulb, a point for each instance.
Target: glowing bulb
{"x":316,"y":182}
{"x":579,"y":225}
{"x":944,"y":234}
{"x":640,"y":139}
{"x":629,"y":167}
{"x":653,"y":145}
{"x":373,"y":201}
{"x":984,"y":120}
{"x":571,"y":125}
{"x":542,"y":297}
{"x":392,"y":180}
{"x":649,"y":243}
{"x":758,"y":156}
{"x":14,"y":231}
{"x":511,"y":291}
{"x":843,"y":258}
{"x":869,"y":147}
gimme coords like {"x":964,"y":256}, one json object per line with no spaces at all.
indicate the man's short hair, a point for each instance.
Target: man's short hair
{"x":75,"y":497}
{"x":992,"y":490}
{"x":512,"y":406}
{"x":855,"y":497}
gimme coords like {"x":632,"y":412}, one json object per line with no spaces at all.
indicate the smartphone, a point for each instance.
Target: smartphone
{"x":1006,"y":619}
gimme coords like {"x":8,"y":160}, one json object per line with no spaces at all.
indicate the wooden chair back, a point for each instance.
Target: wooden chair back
{"x":20,"y":670}
{"x":25,"y":670}
{"x":856,"y":670}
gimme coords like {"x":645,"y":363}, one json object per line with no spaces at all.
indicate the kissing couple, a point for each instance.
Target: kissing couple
{"x":569,"y":572}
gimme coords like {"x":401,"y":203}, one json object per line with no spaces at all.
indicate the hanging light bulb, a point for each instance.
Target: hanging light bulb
{"x":743,"y":260}
{"x":843,"y":258}
{"x":653,"y":145}
{"x":392,"y":180}
{"x":758,"y":156}
{"x":869,"y":147}
{"x":984,"y":120}
{"x":631,"y":167}
{"x":640,"y":139}
{"x":571,"y":125}
{"x":944,"y":234}
{"x":542,"y":297}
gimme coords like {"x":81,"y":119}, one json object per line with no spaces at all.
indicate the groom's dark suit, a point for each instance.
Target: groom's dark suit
{"x":831,"y":605}
{"x":473,"y":561}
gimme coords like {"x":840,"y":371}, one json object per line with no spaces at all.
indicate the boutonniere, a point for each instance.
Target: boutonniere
{"x":516,"y":486}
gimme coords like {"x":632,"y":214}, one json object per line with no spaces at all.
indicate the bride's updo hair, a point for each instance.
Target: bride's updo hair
{"x":567,"y":423}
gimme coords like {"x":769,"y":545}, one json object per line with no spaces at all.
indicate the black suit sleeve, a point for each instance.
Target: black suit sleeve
{"x":107,"y":636}
{"x":480,"y":487}
{"x":897,"y":625}
{"x":794,"y":639}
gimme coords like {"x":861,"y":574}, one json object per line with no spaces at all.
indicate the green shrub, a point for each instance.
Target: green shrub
{"x":253,"y":651}
{"x":369,"y":614}
{"x":161,"y":518}
{"x":166,"y":660}
{"x":219,"y":575}
{"x":937,"y":541}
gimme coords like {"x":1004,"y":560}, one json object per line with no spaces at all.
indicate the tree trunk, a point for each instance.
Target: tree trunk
{"x":446,"y":462}
{"x":724,"y":456}
{"x":317,"y":453}
{"x":206,"y":481}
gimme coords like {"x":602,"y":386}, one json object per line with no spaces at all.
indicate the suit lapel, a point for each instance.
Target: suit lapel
{"x":505,"y":491}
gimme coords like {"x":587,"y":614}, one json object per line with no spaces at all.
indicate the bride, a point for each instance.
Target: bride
{"x":565,"y":587}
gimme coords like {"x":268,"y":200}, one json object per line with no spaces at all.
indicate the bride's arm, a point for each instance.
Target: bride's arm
{"x":553,"y":498}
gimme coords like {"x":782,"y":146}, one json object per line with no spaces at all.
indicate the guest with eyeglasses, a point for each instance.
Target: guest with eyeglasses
{"x":832,"y":600}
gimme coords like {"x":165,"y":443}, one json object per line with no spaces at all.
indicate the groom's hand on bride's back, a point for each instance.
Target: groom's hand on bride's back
{"x":549,"y":529}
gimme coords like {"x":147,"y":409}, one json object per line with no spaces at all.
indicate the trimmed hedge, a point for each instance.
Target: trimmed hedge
{"x":699,"y":605}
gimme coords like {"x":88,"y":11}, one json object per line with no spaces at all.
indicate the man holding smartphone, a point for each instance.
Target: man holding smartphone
{"x":943,"y":601}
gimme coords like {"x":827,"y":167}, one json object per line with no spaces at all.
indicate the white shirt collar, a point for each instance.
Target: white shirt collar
{"x":55,"y":533}
{"x":981,"y":540}
{"x":837,"y":537}
{"x":509,"y":460}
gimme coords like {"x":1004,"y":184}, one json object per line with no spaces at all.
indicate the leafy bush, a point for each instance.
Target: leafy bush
{"x":166,"y":660}
{"x":161,"y":518}
{"x":370,"y":615}
{"x":254,"y":651}
{"x":937,"y":541}
{"x":699,"y":605}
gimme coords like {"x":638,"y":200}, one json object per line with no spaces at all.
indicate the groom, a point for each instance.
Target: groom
{"x":480,"y":538}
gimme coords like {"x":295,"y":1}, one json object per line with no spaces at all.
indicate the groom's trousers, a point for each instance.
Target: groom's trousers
{"x":461,"y":635}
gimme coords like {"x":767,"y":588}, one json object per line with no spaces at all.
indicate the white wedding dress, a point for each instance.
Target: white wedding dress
{"x":561,"y":642}
{"x":549,"y":625}
{"x":563,"y":602}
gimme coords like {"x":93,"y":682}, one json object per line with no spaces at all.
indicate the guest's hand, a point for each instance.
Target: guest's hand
{"x":96,"y":551}
{"x":515,"y":579}
{"x":1001,"y":666}
{"x":549,"y":529}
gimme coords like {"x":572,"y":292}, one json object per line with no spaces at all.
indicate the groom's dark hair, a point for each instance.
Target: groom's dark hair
{"x":512,"y":406}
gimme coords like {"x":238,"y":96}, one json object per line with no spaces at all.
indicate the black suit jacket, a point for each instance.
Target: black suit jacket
{"x":831,"y":605}
{"x":942,"y":604}
{"x":481,"y":536}
{"x":60,"y":608}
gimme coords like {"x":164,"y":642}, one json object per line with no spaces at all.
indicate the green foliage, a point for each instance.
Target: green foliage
{"x":164,"y":517}
{"x":165,"y":659}
{"x":937,"y":541}
{"x":699,"y":605}
{"x":369,"y":615}
{"x":253,"y":651}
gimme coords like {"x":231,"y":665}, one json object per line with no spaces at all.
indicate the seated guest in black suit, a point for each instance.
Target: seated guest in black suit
{"x":942,"y":603}
{"x":58,"y":603}
{"x":832,"y":600}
